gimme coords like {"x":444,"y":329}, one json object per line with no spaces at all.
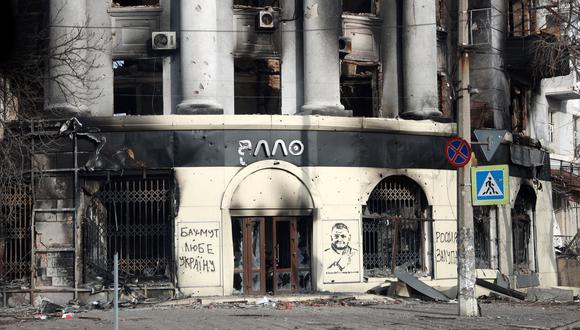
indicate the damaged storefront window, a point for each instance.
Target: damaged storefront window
{"x":394,"y":226}
{"x":484,"y":222}
{"x":135,"y":3}
{"x":272,"y":254}
{"x":15,"y":236}
{"x":522,"y":230}
{"x":130,"y":215}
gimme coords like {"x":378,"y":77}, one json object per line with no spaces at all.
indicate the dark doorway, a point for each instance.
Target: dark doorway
{"x":272,"y":254}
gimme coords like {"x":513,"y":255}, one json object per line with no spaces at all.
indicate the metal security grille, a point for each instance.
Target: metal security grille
{"x":393,"y":227}
{"x":133,"y":216}
{"x":481,"y":223}
{"x":15,"y":238}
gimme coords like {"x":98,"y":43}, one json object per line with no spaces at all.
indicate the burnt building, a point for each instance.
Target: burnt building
{"x":251,"y":147}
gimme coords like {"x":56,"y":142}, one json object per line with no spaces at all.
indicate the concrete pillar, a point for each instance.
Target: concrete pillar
{"x":420,"y":59}
{"x":199,"y":57}
{"x":67,"y":91}
{"x":390,"y":59}
{"x":321,"y":59}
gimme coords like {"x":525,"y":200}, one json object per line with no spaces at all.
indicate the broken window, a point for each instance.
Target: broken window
{"x":131,"y":215}
{"x":522,"y":230}
{"x":522,"y":18}
{"x":15,"y":234}
{"x":441,"y":19}
{"x":444,"y":101}
{"x":519,"y":107}
{"x":359,"y":6}
{"x":133,"y":3}
{"x":485,"y":237}
{"x":395,"y":225}
{"x":359,"y":89}
{"x":256,"y":3}
{"x":272,"y":254}
{"x":257,"y":86}
{"x":138,"y":86}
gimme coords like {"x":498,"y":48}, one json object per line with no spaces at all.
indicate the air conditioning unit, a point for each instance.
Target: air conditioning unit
{"x":265,"y":20}
{"x":163,"y":40}
{"x":344,"y":45}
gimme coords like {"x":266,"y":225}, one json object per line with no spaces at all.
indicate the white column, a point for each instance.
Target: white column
{"x":420,"y":59}
{"x":67,"y":73}
{"x":321,"y":59}
{"x":390,"y":59}
{"x":199,"y":57}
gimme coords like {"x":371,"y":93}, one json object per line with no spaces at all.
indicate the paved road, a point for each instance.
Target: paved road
{"x":408,"y":314}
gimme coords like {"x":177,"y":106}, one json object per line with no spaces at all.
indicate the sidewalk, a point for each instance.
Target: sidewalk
{"x":318,"y":311}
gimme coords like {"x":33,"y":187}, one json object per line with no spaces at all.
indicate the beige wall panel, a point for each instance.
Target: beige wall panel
{"x":445,"y":249}
{"x":200,"y":186}
{"x":198,"y":254}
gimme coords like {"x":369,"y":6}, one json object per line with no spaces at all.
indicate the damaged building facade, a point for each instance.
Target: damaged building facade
{"x":252,"y":147}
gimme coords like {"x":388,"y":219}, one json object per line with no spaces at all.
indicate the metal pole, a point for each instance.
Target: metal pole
{"x":465,"y":243}
{"x":116,"y":284}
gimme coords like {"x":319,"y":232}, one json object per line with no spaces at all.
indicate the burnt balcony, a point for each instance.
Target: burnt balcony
{"x":535,"y":57}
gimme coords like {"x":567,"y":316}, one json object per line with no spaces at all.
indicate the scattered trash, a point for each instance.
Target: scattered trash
{"x":262,"y":301}
{"x":67,"y":316}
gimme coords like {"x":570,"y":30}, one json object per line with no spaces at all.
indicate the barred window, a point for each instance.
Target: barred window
{"x":132,"y":216}
{"x":395,"y":228}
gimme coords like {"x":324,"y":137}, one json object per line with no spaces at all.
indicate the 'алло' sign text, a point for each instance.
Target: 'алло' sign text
{"x":279,"y":147}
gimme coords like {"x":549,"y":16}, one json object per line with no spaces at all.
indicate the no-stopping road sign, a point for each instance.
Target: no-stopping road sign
{"x":457,"y":152}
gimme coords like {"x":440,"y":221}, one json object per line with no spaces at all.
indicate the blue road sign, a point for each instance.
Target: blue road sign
{"x":490,"y":185}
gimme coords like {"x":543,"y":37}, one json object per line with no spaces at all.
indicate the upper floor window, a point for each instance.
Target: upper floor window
{"x":138,"y":86}
{"x":576,"y":136}
{"x":257,"y":86}
{"x":523,"y":20}
{"x":551,"y":121}
{"x":256,"y":3}
{"x":134,"y":3}
{"x":359,"y":6}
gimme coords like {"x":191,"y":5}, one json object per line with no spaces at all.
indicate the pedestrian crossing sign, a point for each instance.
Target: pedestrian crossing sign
{"x":490,"y":185}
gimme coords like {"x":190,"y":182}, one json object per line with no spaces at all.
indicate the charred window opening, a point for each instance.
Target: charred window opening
{"x":395,"y":227}
{"x":485,"y":237}
{"x":138,"y":86}
{"x":132,"y":216}
{"x":522,"y":230}
{"x":359,"y":89}
{"x":443,"y":93}
{"x":519,"y":107}
{"x":257,"y":86}
{"x":257,"y":3}
{"x":15,"y":234}
{"x":135,"y":3}
{"x":522,"y":18}
{"x":441,"y":18}
{"x":272,"y":254}
{"x":359,"y":6}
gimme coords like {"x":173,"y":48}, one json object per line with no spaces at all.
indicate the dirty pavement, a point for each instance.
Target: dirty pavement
{"x":316,"y":311}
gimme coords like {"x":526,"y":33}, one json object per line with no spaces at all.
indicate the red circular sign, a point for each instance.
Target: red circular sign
{"x":457,"y":152}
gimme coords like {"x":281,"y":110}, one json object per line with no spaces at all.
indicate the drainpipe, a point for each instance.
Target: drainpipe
{"x":420,"y":59}
{"x":67,"y":92}
{"x":321,"y":59}
{"x":199,"y":54}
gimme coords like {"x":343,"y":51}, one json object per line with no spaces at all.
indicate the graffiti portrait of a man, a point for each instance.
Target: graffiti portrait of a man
{"x":339,"y":256}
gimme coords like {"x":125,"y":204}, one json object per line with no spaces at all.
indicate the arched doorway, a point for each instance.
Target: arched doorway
{"x":523,"y":242}
{"x":396,"y":228}
{"x":271,"y":221}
